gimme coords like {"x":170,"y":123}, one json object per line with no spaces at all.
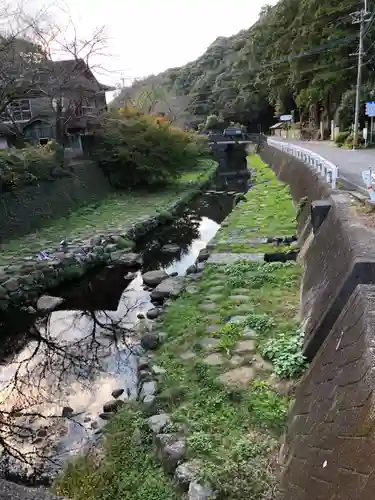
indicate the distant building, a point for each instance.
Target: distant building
{"x":66,"y":91}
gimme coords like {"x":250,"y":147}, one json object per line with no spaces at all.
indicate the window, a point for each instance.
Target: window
{"x":19,"y":110}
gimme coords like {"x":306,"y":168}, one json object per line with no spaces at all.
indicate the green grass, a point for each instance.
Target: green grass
{"x":232,"y":430}
{"x":269,"y":210}
{"x":245,"y":248}
{"x":117,"y":212}
{"x":128,"y":472}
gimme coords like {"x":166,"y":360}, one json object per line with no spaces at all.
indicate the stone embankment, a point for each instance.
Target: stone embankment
{"x":23,"y":281}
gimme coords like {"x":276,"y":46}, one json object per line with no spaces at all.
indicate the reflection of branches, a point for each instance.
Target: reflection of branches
{"x":64,"y":349}
{"x":182,"y":230}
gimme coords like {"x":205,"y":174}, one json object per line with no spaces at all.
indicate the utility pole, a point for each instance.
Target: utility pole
{"x":363,"y":17}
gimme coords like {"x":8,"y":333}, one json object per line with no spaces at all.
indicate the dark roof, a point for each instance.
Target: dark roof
{"x":81,"y":69}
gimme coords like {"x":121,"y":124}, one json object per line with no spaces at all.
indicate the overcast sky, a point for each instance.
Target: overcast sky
{"x":149,"y":36}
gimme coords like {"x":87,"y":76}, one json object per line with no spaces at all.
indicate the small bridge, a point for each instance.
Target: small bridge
{"x":222,"y":139}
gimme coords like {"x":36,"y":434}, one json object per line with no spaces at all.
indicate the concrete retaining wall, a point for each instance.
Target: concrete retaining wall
{"x":330,"y":443}
{"x":30,"y":208}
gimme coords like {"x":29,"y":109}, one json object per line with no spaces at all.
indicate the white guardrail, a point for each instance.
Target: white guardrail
{"x":326,"y":168}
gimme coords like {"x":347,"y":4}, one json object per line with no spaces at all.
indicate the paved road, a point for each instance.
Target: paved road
{"x":351,"y":163}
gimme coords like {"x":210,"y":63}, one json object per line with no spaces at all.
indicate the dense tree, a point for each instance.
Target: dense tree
{"x":298,"y":55}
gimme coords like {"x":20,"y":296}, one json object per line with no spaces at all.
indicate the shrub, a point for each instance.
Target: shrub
{"x":285,"y":352}
{"x":31,"y":165}
{"x":135,"y":150}
{"x":342,"y":137}
{"x":349,"y":140}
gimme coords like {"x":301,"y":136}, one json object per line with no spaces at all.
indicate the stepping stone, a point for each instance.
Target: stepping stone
{"x":192,"y":289}
{"x":209,"y":343}
{"x":224,"y":259}
{"x":241,"y":291}
{"x":213,"y":328}
{"x":243,"y":308}
{"x":216,"y":289}
{"x":237,"y":320}
{"x":242,"y":241}
{"x":261,"y":364}
{"x":214,"y":296}
{"x":214,"y":359}
{"x":208,"y":306}
{"x":239,"y":298}
{"x":214,"y":318}
{"x":238,"y":377}
{"x":249,"y":333}
{"x":185,"y":356}
{"x":244,"y":347}
{"x":236,"y":361}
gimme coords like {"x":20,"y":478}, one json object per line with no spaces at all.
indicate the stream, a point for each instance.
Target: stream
{"x":57,"y":372}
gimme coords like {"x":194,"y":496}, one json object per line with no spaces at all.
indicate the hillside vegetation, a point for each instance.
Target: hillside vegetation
{"x":299,"y":55}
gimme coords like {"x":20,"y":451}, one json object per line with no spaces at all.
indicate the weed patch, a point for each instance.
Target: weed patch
{"x":285,"y":352}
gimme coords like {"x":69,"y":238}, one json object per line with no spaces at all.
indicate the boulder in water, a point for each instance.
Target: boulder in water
{"x":150,"y":341}
{"x":117,"y":393}
{"x":113,"y":406}
{"x":170,"y":248}
{"x":67,"y":412}
{"x":153,"y":313}
{"x":154,"y":278}
{"x":171,"y":287}
{"x":203,"y":255}
{"x":47,"y":303}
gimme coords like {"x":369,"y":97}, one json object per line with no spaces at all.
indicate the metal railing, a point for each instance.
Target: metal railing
{"x":324,"y":167}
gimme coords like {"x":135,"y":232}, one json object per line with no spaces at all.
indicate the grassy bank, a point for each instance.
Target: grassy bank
{"x":268,"y":212}
{"x":117,"y":212}
{"x":232,"y":351}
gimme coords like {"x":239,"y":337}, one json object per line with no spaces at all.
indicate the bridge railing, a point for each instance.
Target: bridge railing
{"x":324,"y":167}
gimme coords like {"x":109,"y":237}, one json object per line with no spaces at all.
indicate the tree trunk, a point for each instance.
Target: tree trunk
{"x":60,"y":128}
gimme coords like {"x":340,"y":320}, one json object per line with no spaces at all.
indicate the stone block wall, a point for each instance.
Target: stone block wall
{"x":330,"y":442}
{"x":31,"y":207}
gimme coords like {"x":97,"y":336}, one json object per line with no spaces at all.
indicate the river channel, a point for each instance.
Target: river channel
{"x":58,"y":371}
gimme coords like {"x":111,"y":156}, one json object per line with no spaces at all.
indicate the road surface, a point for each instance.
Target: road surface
{"x":351,"y":163}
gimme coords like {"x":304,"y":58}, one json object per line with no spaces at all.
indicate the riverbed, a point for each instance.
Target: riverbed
{"x":57,"y":372}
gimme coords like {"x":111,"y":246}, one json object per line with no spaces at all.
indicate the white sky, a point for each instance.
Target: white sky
{"x":149,"y":36}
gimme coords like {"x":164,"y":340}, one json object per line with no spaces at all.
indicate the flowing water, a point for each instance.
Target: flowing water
{"x":56,"y":372}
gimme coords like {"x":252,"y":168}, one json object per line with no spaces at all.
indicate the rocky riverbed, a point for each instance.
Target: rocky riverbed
{"x":69,"y":361}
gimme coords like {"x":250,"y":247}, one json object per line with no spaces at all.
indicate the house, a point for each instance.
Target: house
{"x":64,"y":101}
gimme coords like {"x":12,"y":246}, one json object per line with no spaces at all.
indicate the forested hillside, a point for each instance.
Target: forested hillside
{"x":300,"y":55}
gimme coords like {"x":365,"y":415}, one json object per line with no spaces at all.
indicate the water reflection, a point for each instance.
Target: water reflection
{"x":57,"y":372}
{"x":54,"y":388}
